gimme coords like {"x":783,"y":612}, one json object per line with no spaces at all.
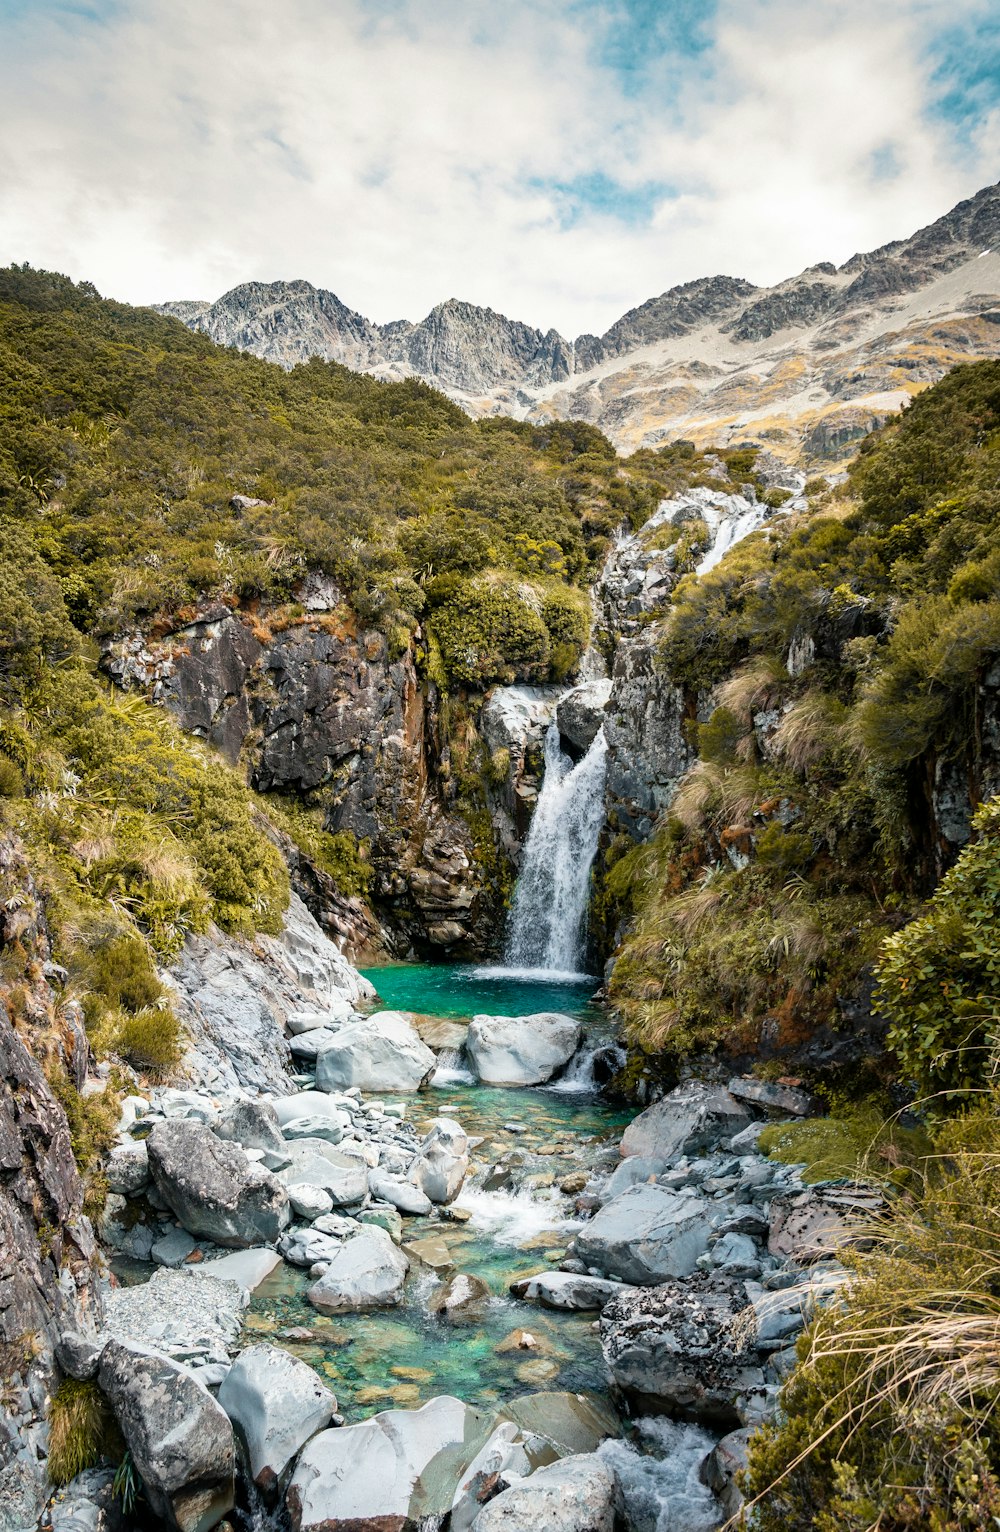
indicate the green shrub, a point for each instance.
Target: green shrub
{"x":339,"y":854}
{"x":859,"y":1144}
{"x":939,"y":977}
{"x":11,"y":780}
{"x":149,"y":1040}
{"x":488,"y":632}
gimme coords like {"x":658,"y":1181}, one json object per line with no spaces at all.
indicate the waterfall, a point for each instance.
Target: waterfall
{"x":729,"y":526}
{"x":550,"y":903}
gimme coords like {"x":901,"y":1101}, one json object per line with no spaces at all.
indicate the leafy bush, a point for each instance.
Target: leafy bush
{"x":488,"y":632}
{"x":939,"y":977}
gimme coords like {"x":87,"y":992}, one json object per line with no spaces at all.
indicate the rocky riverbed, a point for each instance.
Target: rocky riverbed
{"x":384,"y":1293}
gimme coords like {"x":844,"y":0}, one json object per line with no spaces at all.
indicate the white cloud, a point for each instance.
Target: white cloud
{"x":183,"y":147}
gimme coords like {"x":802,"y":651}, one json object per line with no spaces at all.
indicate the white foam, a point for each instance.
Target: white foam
{"x":514,"y":1218}
{"x":660,"y":1482}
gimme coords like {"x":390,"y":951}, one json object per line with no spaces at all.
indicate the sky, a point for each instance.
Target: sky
{"x":557,"y":160}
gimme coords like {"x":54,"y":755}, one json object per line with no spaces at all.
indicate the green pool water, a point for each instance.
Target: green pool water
{"x":406,"y":1355}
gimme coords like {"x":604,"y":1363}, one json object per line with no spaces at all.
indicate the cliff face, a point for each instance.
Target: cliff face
{"x":811,"y":364}
{"x":322,"y":708}
{"x":47,"y":1249}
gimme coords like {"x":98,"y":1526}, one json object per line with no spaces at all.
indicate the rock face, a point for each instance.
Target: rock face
{"x":47,"y":1279}
{"x":389,"y":1472}
{"x":181,"y":1441}
{"x":521,"y":1050}
{"x":712,"y":352}
{"x":692,"y":1117}
{"x":646,"y":1235}
{"x":381,"y":1053}
{"x":235,"y":999}
{"x":578,"y":1494}
{"x":276,"y":1403}
{"x":212,"y":1188}
{"x":810,"y":1225}
{"x":365,"y":1271}
{"x":320,"y":705}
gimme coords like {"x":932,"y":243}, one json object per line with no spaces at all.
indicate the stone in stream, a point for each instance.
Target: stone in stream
{"x":685,"y":1348}
{"x":693,"y":1117}
{"x":564,"y":1290}
{"x":503,"y":1457}
{"x":341,"y":1174}
{"x":365,"y":1271}
{"x":442,"y":1161}
{"x":395,"y":1471}
{"x":646,"y":1235}
{"x":577,"y":1494}
{"x":381,"y":1053}
{"x":402,"y":1195}
{"x":460,"y":1299}
{"x":211,"y":1187}
{"x":276,"y":1402}
{"x":570,"y":1422}
{"x":522,"y":1050}
{"x":180,"y":1439}
{"x":727,"y":1459}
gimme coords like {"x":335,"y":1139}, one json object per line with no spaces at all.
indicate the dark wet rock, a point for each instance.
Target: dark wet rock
{"x":580,"y":715}
{"x":645,"y":1235}
{"x":276,"y":1402}
{"x":727,"y":1459}
{"x":577,"y":1494}
{"x":180,"y":1439}
{"x":684,"y":1348}
{"x":79,"y":1355}
{"x":788,"y":1100}
{"x":693,"y":1117}
{"x":211,"y":1187}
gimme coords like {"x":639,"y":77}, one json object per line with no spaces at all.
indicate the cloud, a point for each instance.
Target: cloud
{"x":535,"y":157}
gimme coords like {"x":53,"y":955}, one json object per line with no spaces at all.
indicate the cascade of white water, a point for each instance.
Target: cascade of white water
{"x":730,"y":526}
{"x":550,"y":903}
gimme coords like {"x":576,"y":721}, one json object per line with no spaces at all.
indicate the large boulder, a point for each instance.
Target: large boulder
{"x":211,"y":1187}
{"x":685,"y":1348}
{"x":314,"y":1162}
{"x":577,"y":1494}
{"x":522,"y":1050}
{"x":807,"y":1226}
{"x":180,"y":1439}
{"x":569,"y":1422}
{"x":567,"y":1290}
{"x":442,"y":1161}
{"x":693,"y":1117}
{"x":127,"y":1169}
{"x":391,"y":1473}
{"x":580,"y":714}
{"x":646,"y":1235}
{"x":366,"y":1271}
{"x":381,"y":1053}
{"x":276,"y":1402}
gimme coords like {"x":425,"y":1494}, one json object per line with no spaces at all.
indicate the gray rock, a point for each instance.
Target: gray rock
{"x":395,"y":1471}
{"x":684,"y":1348}
{"x":313,"y":1125}
{"x":308,"y":1103}
{"x":247,"y":1267}
{"x":402,"y":1195}
{"x":212,"y":1188}
{"x":253,"y":1124}
{"x":442,"y":1161}
{"x":128,"y":1168}
{"x":180,"y":1440}
{"x":276,"y":1402}
{"x":460,"y":1299}
{"x":567,"y":1290}
{"x":786,"y":1099}
{"x":810,"y":1225}
{"x":522,"y":1050}
{"x":309,"y":1202}
{"x":570,"y":1422}
{"x":366,"y":1271}
{"x":577,"y":1494}
{"x":726,"y":1459}
{"x":189,"y":1314}
{"x":736,"y":1255}
{"x":314,"y":1162}
{"x":78,"y":1355}
{"x":381,"y":1053}
{"x":386,"y":1218}
{"x":646,"y":1235}
{"x":172,"y":1248}
{"x":630,"y":1172}
{"x":503,"y":1457}
{"x":693,"y":1117}
{"x":580,"y":714}
{"x":308,"y":1247}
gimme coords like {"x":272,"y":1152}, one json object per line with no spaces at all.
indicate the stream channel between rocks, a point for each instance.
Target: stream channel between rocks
{"x":510,"y":1220}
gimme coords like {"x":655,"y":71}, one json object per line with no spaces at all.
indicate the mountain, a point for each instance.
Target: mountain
{"x":806,"y":366}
